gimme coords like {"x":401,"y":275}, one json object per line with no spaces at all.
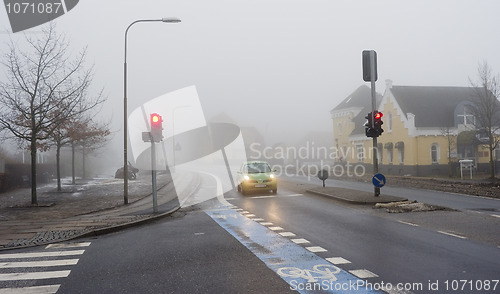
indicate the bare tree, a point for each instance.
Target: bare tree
{"x":452,"y":145}
{"x":91,"y":136}
{"x":487,"y":108}
{"x":45,"y":87}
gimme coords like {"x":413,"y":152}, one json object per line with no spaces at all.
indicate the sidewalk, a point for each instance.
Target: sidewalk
{"x":89,"y":208}
{"x":354,"y":196}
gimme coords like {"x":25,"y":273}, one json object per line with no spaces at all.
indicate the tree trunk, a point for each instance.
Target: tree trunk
{"x":83,"y":162}
{"x":34,"y":200}
{"x":58,"y":166}
{"x":73,"y":162}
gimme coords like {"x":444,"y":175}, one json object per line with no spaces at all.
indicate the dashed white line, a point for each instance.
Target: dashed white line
{"x":276,"y":228}
{"x":363,"y":274}
{"x":300,"y":241}
{"x":257,"y":219}
{"x":287,"y":234}
{"x":50,"y":289}
{"x":41,"y":254}
{"x":266,"y":224}
{"x":451,"y":234}
{"x":495,"y":215}
{"x":250,"y":215}
{"x":338,"y":260}
{"x":69,"y":245}
{"x":407,"y":223}
{"x":34,"y":276}
{"x":315,"y":249}
{"x":263,"y":197}
{"x":43,"y":263}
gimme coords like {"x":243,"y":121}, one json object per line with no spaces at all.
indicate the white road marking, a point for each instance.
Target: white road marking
{"x":263,"y":197}
{"x":294,"y":195}
{"x":495,"y":215}
{"x":338,"y":260}
{"x":287,"y":234}
{"x":49,"y":289}
{"x":407,"y":223}
{"x":315,"y":249}
{"x":250,"y":215}
{"x":41,"y":254}
{"x":363,"y":274}
{"x":34,"y":276}
{"x":244,"y":212}
{"x":42,"y":263}
{"x":300,"y":241}
{"x":453,"y":235}
{"x":266,"y":224}
{"x":69,"y":245}
{"x":275,"y":228}
{"x":257,"y":219}
{"x":276,"y":196}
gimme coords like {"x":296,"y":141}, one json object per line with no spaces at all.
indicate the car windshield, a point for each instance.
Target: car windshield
{"x":258,"y":167}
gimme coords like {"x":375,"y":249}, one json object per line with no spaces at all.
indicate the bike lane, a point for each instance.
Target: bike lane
{"x":303,"y":270}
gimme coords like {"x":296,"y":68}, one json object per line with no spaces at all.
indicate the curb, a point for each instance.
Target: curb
{"x":352,"y":200}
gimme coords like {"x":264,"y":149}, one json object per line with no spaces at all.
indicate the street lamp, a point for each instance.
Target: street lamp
{"x":125,"y":160}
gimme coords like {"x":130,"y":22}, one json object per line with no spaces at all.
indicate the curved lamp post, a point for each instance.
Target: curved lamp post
{"x":125,"y":160}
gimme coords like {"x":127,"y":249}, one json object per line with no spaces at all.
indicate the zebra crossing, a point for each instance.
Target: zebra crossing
{"x":35,"y":272}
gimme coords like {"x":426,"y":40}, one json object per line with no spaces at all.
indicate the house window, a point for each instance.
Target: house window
{"x":467,"y":117}
{"x":339,"y":127}
{"x":401,"y":151}
{"x":360,"y":151}
{"x":389,"y":122}
{"x":435,"y":153}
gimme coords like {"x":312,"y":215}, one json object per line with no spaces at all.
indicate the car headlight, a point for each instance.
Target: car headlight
{"x":246,"y":178}
{"x":272,"y":177}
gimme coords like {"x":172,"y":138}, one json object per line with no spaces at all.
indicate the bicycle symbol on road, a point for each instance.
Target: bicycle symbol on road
{"x":320,"y":271}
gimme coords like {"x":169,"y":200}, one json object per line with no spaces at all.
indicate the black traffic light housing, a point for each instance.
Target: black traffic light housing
{"x":156,"y":127}
{"x":373,"y":124}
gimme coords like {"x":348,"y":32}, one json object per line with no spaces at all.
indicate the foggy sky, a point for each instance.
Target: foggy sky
{"x":280,"y":66}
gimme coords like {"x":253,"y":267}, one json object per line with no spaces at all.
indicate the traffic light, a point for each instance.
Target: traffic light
{"x":369,"y":130}
{"x":373,"y":124}
{"x":377,"y":122}
{"x":156,"y":127}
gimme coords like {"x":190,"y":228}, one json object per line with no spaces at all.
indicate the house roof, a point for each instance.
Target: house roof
{"x":360,"y":98}
{"x":432,"y":106}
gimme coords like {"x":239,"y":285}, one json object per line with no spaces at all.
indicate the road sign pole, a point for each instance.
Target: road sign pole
{"x":374,"y":106}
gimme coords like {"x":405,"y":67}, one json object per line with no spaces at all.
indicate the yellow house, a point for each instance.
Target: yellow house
{"x":427,"y":130}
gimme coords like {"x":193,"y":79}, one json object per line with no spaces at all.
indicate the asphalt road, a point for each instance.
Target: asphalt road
{"x":265,"y":243}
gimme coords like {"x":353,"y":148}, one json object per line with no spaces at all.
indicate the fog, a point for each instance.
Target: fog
{"x":278,"y":66}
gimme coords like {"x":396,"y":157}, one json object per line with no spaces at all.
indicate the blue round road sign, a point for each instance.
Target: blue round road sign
{"x":378,"y":180}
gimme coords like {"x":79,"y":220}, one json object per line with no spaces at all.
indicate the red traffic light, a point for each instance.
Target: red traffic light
{"x":156,"y":127}
{"x":378,"y":115}
{"x":155,"y":118}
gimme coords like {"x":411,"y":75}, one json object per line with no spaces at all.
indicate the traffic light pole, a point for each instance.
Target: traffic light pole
{"x":374,"y":106}
{"x":153,"y":175}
